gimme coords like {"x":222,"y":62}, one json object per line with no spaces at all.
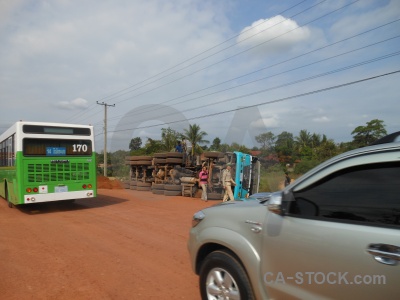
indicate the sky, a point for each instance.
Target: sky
{"x":236,"y":68}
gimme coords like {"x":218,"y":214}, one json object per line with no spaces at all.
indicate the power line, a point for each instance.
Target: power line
{"x":268,"y":102}
{"x":293,"y":82}
{"x":237,"y":54}
{"x":202,"y":69}
{"x":140,"y":111}
{"x":187,"y":75}
{"x":199,"y":54}
{"x":265,"y":67}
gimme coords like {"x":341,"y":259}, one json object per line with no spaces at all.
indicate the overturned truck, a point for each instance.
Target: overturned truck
{"x":173,"y":174}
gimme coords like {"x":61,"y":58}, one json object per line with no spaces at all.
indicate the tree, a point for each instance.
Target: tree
{"x":326,"y":149}
{"x":216,"y":144}
{"x":303,"y":144}
{"x":135,"y":144}
{"x":169,"y":138}
{"x":284,"y":145}
{"x":266,"y":140}
{"x":153,"y":146}
{"x":118,"y":166}
{"x":366,"y":135}
{"x":225,"y":148}
{"x":195,"y":136}
{"x":238,"y":147}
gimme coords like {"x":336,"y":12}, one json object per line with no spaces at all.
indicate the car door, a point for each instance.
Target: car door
{"x":339,"y":239}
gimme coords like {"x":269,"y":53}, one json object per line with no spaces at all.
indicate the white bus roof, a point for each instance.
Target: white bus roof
{"x":13,"y":127}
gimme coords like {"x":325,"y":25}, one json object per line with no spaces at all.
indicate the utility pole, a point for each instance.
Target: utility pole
{"x":105,"y":134}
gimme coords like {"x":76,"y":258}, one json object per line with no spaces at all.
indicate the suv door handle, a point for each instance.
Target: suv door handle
{"x":256,"y":226}
{"x":384,"y":253}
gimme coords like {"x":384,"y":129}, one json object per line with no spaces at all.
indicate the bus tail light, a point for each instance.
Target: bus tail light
{"x":84,"y":186}
{"x":89,"y":186}
{"x":30,"y":190}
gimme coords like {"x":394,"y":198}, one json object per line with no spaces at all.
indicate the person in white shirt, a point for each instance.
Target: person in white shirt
{"x":227,"y":183}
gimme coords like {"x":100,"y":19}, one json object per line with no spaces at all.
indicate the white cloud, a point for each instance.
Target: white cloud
{"x":73,"y":104}
{"x":275,"y":34}
{"x":323,"y":119}
{"x":266,"y":123}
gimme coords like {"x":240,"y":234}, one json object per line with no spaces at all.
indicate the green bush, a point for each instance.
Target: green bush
{"x":305,"y":165}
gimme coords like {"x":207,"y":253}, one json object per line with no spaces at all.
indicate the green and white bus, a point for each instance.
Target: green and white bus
{"x":43,"y":162}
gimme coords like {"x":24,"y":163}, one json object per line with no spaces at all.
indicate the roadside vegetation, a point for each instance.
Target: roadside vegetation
{"x":285,"y":152}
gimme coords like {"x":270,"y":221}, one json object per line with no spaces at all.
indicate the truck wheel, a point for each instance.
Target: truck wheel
{"x":138,"y":157}
{"x":172,"y":160}
{"x":174,"y":155}
{"x":143,"y":183}
{"x":173,"y":187}
{"x":172,"y":193}
{"x":157,"y":192}
{"x":143,"y":188}
{"x":157,"y":186}
{"x":160,"y":161}
{"x":213,"y":154}
{"x":223,"y":277}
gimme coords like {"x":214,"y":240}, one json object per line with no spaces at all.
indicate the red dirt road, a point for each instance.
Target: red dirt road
{"x":124,"y":244}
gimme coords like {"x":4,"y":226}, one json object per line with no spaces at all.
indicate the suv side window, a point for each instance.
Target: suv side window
{"x":367,"y":194}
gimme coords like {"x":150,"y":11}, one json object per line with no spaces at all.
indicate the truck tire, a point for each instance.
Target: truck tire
{"x":143,"y":188}
{"x":173,"y":187}
{"x":171,"y":160}
{"x":172,"y":193}
{"x":213,"y":154}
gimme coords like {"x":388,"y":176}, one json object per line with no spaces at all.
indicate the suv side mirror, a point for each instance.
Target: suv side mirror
{"x":275,"y":203}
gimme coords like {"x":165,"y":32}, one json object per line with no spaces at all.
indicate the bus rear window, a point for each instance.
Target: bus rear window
{"x":57,"y":147}
{"x":41,"y":129}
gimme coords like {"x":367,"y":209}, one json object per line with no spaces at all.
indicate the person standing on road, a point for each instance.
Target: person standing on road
{"x":227,"y":182}
{"x":203,"y":180}
{"x":287,"y":179}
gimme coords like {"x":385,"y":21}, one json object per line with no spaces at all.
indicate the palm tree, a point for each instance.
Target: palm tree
{"x":195,"y":136}
{"x":303,"y":143}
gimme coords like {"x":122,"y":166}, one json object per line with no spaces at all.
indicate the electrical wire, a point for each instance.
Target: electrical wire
{"x":251,"y":73}
{"x":111,"y":96}
{"x":141,"y":111}
{"x":236,"y":54}
{"x":267,"y":102}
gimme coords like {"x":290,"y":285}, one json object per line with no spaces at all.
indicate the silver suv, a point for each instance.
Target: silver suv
{"x":332,"y":234}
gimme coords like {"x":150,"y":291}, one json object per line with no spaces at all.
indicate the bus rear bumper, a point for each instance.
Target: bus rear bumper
{"x":36,"y":198}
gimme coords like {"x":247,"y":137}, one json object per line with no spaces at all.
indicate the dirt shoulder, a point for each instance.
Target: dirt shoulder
{"x":124,"y":244}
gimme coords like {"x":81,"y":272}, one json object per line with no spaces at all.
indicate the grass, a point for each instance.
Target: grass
{"x":273,"y":181}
